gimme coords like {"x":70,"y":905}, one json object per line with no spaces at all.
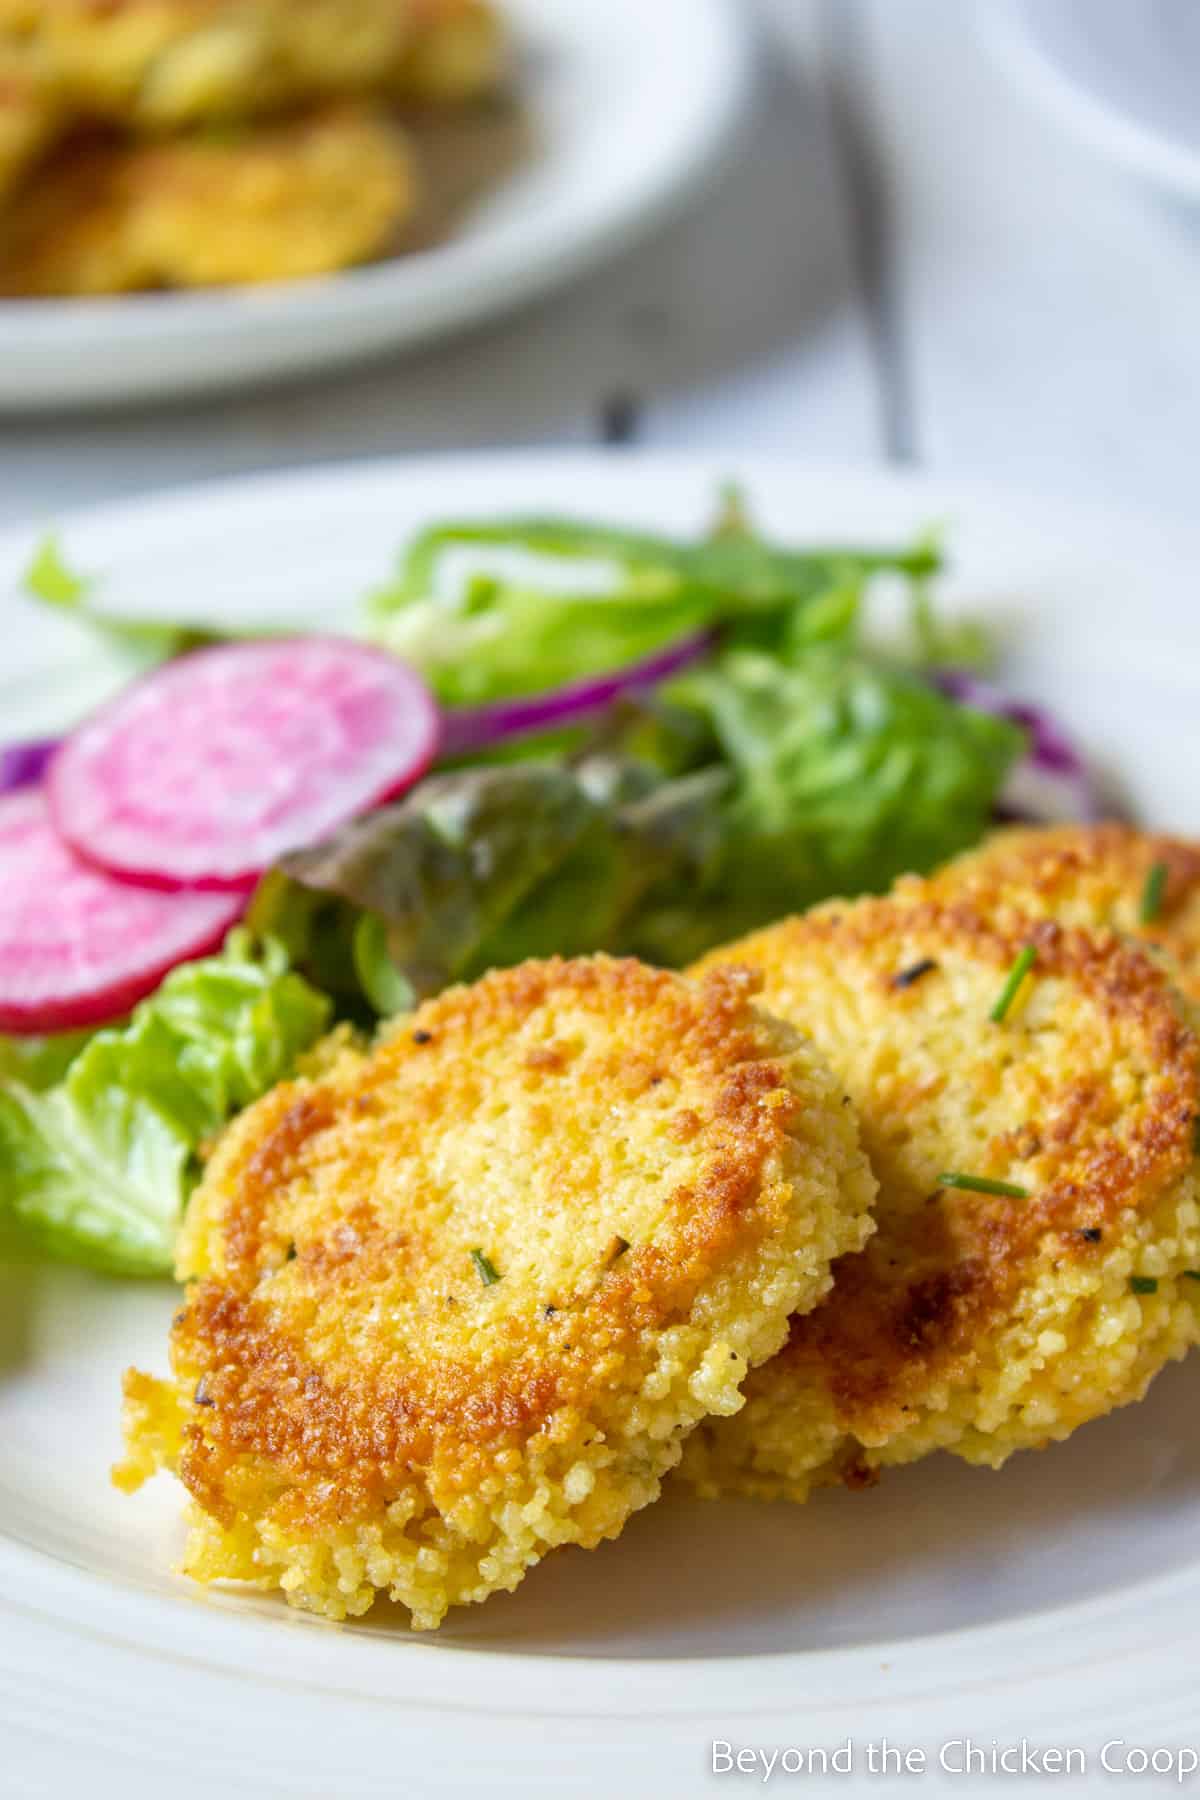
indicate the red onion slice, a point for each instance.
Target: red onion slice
{"x":1053,"y":782}
{"x":470,"y":729}
{"x":23,"y":765}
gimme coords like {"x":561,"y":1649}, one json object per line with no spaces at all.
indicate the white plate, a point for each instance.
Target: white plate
{"x":629,"y":104}
{"x":1123,"y":75}
{"x":1057,"y":1601}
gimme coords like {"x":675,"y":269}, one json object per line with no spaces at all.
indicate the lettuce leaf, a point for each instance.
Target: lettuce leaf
{"x":484,"y":867}
{"x":92,"y":654}
{"x":51,"y":580}
{"x":649,"y":838}
{"x":98,"y":1164}
{"x":500,"y":634}
{"x":830,"y":776}
{"x":40,"y":1061}
{"x":501,"y":641}
{"x":849,"y":773}
{"x":443,"y":868}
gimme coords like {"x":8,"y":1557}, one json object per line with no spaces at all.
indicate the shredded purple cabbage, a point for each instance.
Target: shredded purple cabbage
{"x":1053,"y":783}
{"x":23,"y":765}
{"x":469,"y":729}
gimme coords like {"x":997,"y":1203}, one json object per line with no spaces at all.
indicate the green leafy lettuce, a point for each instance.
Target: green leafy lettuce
{"x":39,"y":1062}
{"x":99,"y":1156}
{"x":848,"y":773}
{"x":500,"y":633}
{"x":99,"y":652}
{"x":486,"y":866}
{"x":830,"y":777}
{"x":443,"y":868}
{"x":789,"y":766}
{"x":51,"y":580}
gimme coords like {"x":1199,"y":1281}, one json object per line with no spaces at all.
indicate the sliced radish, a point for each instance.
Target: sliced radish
{"x":204,"y":773}
{"x":77,"y":947}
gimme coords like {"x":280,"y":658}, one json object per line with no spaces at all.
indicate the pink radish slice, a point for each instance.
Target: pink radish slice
{"x":204,"y":773}
{"x":76,"y":947}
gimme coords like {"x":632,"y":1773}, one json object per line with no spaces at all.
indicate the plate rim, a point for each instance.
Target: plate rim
{"x":943,"y":496}
{"x":1004,"y":26}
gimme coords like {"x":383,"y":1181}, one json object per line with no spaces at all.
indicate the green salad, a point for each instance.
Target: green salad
{"x":645,"y":746}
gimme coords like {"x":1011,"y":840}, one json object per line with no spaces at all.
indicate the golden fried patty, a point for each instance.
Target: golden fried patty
{"x":1139,"y":883}
{"x":167,"y":63}
{"x":458,"y":51}
{"x":307,"y":197}
{"x":31,"y":117}
{"x":455,"y":1302}
{"x":979,"y":1322}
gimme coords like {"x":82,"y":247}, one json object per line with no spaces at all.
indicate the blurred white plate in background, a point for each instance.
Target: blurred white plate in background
{"x":1058,"y":1600}
{"x":629,"y":104}
{"x":1122,"y":75}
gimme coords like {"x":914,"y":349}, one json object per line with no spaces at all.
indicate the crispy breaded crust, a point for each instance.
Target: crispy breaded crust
{"x":31,"y":117}
{"x":459,"y":51}
{"x":308,"y":197}
{"x":171,"y":63}
{"x":1092,"y":875}
{"x":456,"y":1302}
{"x":976,"y":1323}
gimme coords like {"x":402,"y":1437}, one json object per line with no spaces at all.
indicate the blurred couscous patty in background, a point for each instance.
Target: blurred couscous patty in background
{"x":184,"y":143}
{"x":300,"y":197}
{"x":161,"y":64}
{"x":31,"y":114}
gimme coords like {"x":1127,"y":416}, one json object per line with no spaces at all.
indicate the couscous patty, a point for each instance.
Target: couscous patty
{"x":305,"y":197}
{"x":1038,"y":1211}
{"x":171,"y":63}
{"x":457,"y":1302}
{"x":1140,"y":883}
{"x":458,"y":50}
{"x":31,"y":117}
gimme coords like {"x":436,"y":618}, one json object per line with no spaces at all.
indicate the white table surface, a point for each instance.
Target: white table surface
{"x":902,"y":260}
